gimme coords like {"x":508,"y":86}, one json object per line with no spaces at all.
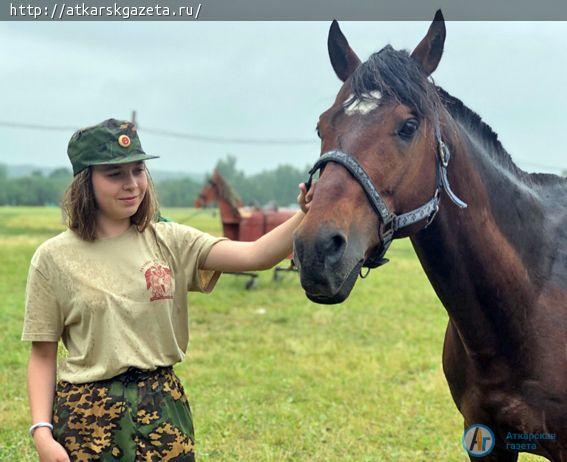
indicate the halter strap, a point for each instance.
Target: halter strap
{"x":390,"y":222}
{"x":358,"y":172}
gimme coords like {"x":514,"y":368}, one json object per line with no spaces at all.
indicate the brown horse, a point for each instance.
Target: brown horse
{"x":395,"y":147}
{"x":239,"y":223}
{"x":243,"y":223}
{"x":217,"y":191}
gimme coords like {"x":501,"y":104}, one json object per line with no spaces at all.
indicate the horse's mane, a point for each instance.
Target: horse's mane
{"x":473,"y":121}
{"x":397,"y":75}
{"x":226,"y":191}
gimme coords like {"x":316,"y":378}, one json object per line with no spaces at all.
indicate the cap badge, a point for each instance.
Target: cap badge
{"x":124,"y":141}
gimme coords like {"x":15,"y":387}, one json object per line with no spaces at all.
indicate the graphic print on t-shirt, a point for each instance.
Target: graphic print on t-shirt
{"x":158,"y":281}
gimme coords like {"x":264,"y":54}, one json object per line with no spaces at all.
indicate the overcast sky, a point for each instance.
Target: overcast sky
{"x":260,"y":80}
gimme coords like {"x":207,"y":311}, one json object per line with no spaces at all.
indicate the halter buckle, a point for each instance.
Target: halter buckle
{"x":432,"y":216}
{"x":444,"y":153}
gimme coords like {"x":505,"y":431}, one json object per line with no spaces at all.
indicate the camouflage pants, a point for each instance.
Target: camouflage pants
{"x":130,"y":418}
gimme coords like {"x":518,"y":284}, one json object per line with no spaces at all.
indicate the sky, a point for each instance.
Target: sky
{"x":257,"y":81}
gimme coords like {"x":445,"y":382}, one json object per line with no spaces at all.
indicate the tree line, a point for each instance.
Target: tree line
{"x":278,"y":185}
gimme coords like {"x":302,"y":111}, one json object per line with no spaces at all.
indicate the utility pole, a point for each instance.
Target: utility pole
{"x":134,"y":117}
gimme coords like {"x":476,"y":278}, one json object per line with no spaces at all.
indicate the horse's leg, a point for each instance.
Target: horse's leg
{"x":500,"y":453}
{"x":455,"y":367}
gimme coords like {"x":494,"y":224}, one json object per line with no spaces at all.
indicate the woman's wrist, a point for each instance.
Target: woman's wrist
{"x":41,"y":434}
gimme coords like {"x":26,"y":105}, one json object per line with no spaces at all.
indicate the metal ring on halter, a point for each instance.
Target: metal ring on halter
{"x":444,"y":154}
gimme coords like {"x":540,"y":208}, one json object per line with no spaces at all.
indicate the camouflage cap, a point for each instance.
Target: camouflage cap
{"x":109,"y":142}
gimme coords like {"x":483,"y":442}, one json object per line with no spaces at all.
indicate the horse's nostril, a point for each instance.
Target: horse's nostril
{"x":335,"y":247}
{"x":337,"y":241}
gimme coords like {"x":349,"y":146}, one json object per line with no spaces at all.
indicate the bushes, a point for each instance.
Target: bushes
{"x":278,"y":185}
{"x":34,"y":189}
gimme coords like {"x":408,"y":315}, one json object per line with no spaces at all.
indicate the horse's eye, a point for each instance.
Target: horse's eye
{"x":318,"y":131}
{"x":408,"y":129}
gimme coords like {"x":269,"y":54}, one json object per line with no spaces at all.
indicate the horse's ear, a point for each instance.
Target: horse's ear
{"x":428,"y":52}
{"x":343,"y":59}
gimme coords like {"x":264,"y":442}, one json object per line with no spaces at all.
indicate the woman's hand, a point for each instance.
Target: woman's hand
{"x":47,"y":448}
{"x":304,"y":197}
{"x":264,"y":252}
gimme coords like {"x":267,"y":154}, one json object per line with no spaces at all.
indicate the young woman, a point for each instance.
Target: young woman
{"x":113,"y":287}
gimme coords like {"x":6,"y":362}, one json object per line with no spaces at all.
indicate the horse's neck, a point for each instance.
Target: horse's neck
{"x":483,"y":261}
{"x":221,"y":194}
{"x":227,"y":210}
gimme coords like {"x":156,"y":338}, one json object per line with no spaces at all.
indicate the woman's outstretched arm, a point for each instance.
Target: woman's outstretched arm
{"x":263,"y":253}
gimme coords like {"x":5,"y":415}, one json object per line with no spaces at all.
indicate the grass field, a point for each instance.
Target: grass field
{"x":270,"y":375}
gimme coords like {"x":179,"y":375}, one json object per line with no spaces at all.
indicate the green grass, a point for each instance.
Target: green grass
{"x":271,"y":376}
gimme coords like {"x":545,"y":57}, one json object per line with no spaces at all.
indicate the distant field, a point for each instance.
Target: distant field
{"x":270,"y":375}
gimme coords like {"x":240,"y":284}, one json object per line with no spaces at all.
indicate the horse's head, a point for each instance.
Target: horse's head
{"x":217,"y":191}
{"x":208,"y":195}
{"x":384,"y":117}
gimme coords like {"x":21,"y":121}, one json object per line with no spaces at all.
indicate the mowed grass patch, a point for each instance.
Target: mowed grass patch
{"x":270,"y":375}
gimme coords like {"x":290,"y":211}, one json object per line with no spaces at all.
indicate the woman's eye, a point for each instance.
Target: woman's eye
{"x":408,"y":129}
{"x":137,"y":171}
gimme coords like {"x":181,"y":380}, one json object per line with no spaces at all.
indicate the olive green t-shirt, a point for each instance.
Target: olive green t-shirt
{"x":117,"y":302}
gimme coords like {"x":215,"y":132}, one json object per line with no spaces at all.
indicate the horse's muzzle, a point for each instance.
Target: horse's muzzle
{"x":327,"y":266}
{"x":342,"y":294}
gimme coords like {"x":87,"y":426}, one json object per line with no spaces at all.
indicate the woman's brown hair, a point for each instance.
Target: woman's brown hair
{"x":79,"y":206}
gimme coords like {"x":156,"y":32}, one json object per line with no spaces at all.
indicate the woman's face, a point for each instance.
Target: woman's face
{"x":119,"y":189}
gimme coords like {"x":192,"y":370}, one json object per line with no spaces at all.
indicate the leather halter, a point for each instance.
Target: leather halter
{"x":389,"y":221}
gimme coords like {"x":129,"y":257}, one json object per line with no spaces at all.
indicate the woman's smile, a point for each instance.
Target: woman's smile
{"x":128,"y":200}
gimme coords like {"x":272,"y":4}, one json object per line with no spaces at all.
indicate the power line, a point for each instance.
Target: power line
{"x":172,"y":134}
{"x":37,"y":126}
{"x":219,"y":139}
{"x":222,"y":140}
